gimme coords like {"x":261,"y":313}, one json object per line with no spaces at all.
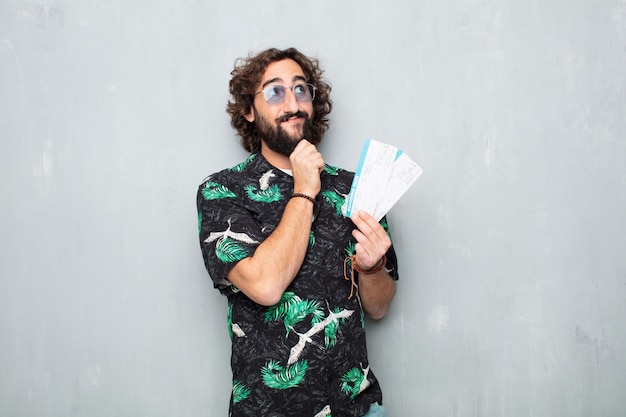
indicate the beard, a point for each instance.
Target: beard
{"x":278,"y":139}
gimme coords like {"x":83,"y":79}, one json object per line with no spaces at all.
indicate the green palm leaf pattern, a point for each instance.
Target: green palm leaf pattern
{"x":318,"y":317}
{"x":199,"y":222}
{"x":311,"y":238}
{"x":385,"y":226}
{"x":240,"y":167}
{"x":228,"y":250}
{"x":335,"y":199}
{"x":240,"y":392}
{"x":292,"y":309}
{"x":332,"y":170}
{"x":277,"y":377}
{"x":330,"y":331}
{"x":229,"y":320}
{"x":350,"y":250}
{"x":351,"y":382}
{"x":215,"y":191}
{"x":298,"y":312}
{"x":279,"y":310}
{"x":362,"y":317}
{"x":270,"y":195}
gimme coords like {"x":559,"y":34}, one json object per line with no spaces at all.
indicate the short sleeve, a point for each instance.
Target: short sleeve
{"x":392,"y":261}
{"x":227,"y":230}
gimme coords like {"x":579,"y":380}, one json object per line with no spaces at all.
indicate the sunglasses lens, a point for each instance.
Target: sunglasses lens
{"x":274,"y":94}
{"x":303,"y":92}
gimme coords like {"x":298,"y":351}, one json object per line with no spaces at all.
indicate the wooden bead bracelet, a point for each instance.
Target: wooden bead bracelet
{"x":308,"y":197}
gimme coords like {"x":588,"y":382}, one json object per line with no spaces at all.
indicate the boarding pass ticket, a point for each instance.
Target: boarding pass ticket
{"x":383,"y":175}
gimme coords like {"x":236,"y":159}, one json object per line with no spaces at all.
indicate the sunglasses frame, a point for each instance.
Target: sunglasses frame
{"x":310,"y":87}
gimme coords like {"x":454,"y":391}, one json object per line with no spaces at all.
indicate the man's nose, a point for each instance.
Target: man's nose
{"x":290,"y":105}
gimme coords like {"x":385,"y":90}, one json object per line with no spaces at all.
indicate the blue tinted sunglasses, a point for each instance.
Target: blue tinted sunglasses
{"x":275,"y":93}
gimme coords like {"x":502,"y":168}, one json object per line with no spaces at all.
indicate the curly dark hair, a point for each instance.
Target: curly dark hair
{"x":246,"y":77}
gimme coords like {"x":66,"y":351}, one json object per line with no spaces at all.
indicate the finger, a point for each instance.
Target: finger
{"x":370,"y":234}
{"x":299,"y":149}
{"x":307,"y":152}
{"x":365,"y":256}
{"x":365,"y":246}
{"x":368,"y":224}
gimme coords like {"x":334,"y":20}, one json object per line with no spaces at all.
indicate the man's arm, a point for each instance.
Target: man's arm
{"x":265,"y":275}
{"x":376,"y":290}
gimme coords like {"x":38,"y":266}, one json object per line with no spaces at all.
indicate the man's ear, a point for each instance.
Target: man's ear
{"x":250,"y":116}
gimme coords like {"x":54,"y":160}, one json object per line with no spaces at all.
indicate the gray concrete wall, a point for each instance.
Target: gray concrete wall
{"x":513,"y":276}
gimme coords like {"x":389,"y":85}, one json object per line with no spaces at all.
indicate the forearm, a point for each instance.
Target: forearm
{"x":376,"y":292}
{"x":265,"y":275}
{"x":376,"y":288}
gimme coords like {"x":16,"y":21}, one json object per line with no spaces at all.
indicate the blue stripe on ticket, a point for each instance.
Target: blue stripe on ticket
{"x":357,"y":176}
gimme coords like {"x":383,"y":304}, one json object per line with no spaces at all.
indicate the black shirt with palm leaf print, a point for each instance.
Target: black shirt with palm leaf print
{"x":306,"y":355}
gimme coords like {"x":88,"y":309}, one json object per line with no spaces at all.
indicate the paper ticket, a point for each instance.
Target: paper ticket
{"x":383,"y":175}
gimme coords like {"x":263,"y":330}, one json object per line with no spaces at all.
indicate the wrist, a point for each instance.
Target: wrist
{"x":310,"y":191}
{"x":305,"y":196}
{"x":376,"y":268}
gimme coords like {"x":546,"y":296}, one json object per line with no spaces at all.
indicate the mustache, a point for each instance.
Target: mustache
{"x":288,"y":116}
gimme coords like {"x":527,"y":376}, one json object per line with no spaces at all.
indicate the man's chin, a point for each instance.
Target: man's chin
{"x":293,"y":132}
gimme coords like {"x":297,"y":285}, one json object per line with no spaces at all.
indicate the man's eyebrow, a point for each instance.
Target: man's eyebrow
{"x":271,"y":81}
{"x":276,"y":79}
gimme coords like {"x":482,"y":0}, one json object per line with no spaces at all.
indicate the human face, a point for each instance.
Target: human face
{"x":281,"y":125}
{"x":276,"y":138}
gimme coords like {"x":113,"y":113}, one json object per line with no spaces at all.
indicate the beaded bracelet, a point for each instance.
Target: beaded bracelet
{"x":373,"y":270}
{"x":308,"y":197}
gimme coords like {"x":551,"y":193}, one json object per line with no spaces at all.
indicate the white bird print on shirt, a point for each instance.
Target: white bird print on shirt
{"x":240,"y":237}
{"x":237,"y":330}
{"x":264,"y":181}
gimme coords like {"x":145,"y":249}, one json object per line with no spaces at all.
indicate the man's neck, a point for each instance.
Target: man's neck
{"x":276,"y":159}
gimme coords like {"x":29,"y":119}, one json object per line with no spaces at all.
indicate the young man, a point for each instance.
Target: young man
{"x":298,"y":274}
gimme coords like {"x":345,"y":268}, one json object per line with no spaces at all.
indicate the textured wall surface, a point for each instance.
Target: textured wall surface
{"x":513,"y":276}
